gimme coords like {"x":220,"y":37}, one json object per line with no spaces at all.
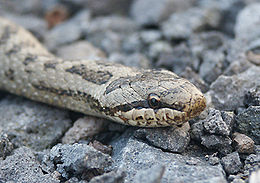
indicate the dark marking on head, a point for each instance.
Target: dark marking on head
{"x":50,"y":65}
{"x":10,"y":74}
{"x":8,"y":31}
{"x":97,"y":77}
{"x":13,"y":50}
{"x":29,"y":59}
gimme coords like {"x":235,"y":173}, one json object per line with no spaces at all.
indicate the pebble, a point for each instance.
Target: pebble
{"x":80,"y":50}
{"x":152,"y":12}
{"x":35,"y":125}
{"x":101,"y":147}
{"x":247,"y":122}
{"x":31,"y":171}
{"x":222,"y":90}
{"x":150,"y":36}
{"x":231,"y":163}
{"x":79,"y":160}
{"x":172,"y":139}
{"x":6,"y":146}
{"x":252,"y":97}
{"x":158,"y":48}
{"x":84,"y":128}
{"x":243,"y":143}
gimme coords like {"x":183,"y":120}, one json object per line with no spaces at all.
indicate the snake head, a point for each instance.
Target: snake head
{"x":153,"y":99}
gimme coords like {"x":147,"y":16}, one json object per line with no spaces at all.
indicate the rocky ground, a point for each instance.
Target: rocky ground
{"x":213,"y":43}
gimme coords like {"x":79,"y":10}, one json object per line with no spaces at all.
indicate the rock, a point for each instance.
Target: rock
{"x":137,"y":60}
{"x":151,"y":175}
{"x":172,"y":139}
{"x":132,"y":43}
{"x":175,"y":59}
{"x":243,"y":143}
{"x":231,"y":163}
{"x":247,"y":24}
{"x":252,"y":52}
{"x":195,"y":79}
{"x":110,"y":177}
{"x":83,"y":128}
{"x":247,"y":122}
{"x":80,"y":50}
{"x":79,"y":160}
{"x":252,"y":162}
{"x":158,"y":48}
{"x":10,"y":168}
{"x":68,"y":31}
{"x":216,"y":124}
{"x":150,"y":36}
{"x":101,"y":147}
{"x":197,"y":130}
{"x":6,"y":146}
{"x":222,"y":90}
{"x":252,"y":97}
{"x":35,"y":125}
{"x":218,"y":143}
{"x":181,"y":25}
{"x":152,"y":12}
{"x":135,"y":156}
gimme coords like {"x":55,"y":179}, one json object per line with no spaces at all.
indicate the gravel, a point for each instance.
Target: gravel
{"x":213,"y":43}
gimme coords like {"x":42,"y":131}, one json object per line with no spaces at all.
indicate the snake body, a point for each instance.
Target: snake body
{"x":148,"y":98}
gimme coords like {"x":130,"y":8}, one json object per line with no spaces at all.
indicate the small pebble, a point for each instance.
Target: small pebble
{"x":243,"y":143}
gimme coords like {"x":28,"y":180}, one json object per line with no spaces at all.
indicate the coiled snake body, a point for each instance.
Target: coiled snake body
{"x":148,"y":98}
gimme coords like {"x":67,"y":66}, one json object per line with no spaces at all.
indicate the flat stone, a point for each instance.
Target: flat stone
{"x":174,"y":139}
{"x":152,"y":12}
{"x":22,"y":166}
{"x":231,"y":163}
{"x":35,"y":125}
{"x":247,"y":122}
{"x":83,"y":128}
{"x":78,"y":159}
{"x":243,"y":143}
{"x":222,"y":90}
{"x":80,"y":50}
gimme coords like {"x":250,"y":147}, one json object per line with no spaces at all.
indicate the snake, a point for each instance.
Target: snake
{"x":127,"y":95}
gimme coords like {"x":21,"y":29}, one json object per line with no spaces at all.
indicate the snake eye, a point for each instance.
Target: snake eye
{"x":154,"y":101}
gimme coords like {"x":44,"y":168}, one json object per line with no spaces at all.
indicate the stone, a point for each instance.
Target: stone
{"x":247,"y":24}
{"x":106,"y":149}
{"x":83,"y":128}
{"x":80,"y":50}
{"x":215,"y":124}
{"x":137,"y":60}
{"x":183,"y":24}
{"x":158,"y":48}
{"x":218,"y":143}
{"x":135,"y":156}
{"x":231,"y":163}
{"x":6,"y":146}
{"x":252,"y":162}
{"x":35,"y":125}
{"x":110,"y":177}
{"x":252,"y":97}
{"x":243,"y":143}
{"x":151,"y":175}
{"x":22,"y":166}
{"x":150,"y":36}
{"x":78,"y":159}
{"x":172,"y":139}
{"x":132,"y":44}
{"x":252,"y":52}
{"x":222,"y":90}
{"x":247,"y":122}
{"x":152,"y":12}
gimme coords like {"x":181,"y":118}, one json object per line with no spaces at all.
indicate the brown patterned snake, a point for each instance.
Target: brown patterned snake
{"x":148,"y":98}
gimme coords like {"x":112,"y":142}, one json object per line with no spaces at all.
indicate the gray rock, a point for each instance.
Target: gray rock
{"x":177,"y":58}
{"x":135,"y":156}
{"x":68,"y":31}
{"x":247,"y":122}
{"x":137,"y":60}
{"x":231,"y":163}
{"x":213,"y":160}
{"x":151,"y":12}
{"x":222,"y":90}
{"x":22,"y":166}
{"x":159,"y":48}
{"x":252,"y":97}
{"x":243,"y":143}
{"x":252,"y":162}
{"x":80,"y":50}
{"x":151,"y":175}
{"x":172,"y":139}
{"x":215,"y":124}
{"x":150,"y":36}
{"x":6,"y":146}
{"x":110,"y":177}
{"x":218,"y":143}
{"x":32,"y":124}
{"x":132,"y":43}
{"x":197,"y":130}
{"x":248,"y":23}
{"x":181,"y":25}
{"x":78,"y":159}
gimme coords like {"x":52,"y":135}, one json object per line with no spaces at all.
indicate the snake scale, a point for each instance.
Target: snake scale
{"x":147,"y":98}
